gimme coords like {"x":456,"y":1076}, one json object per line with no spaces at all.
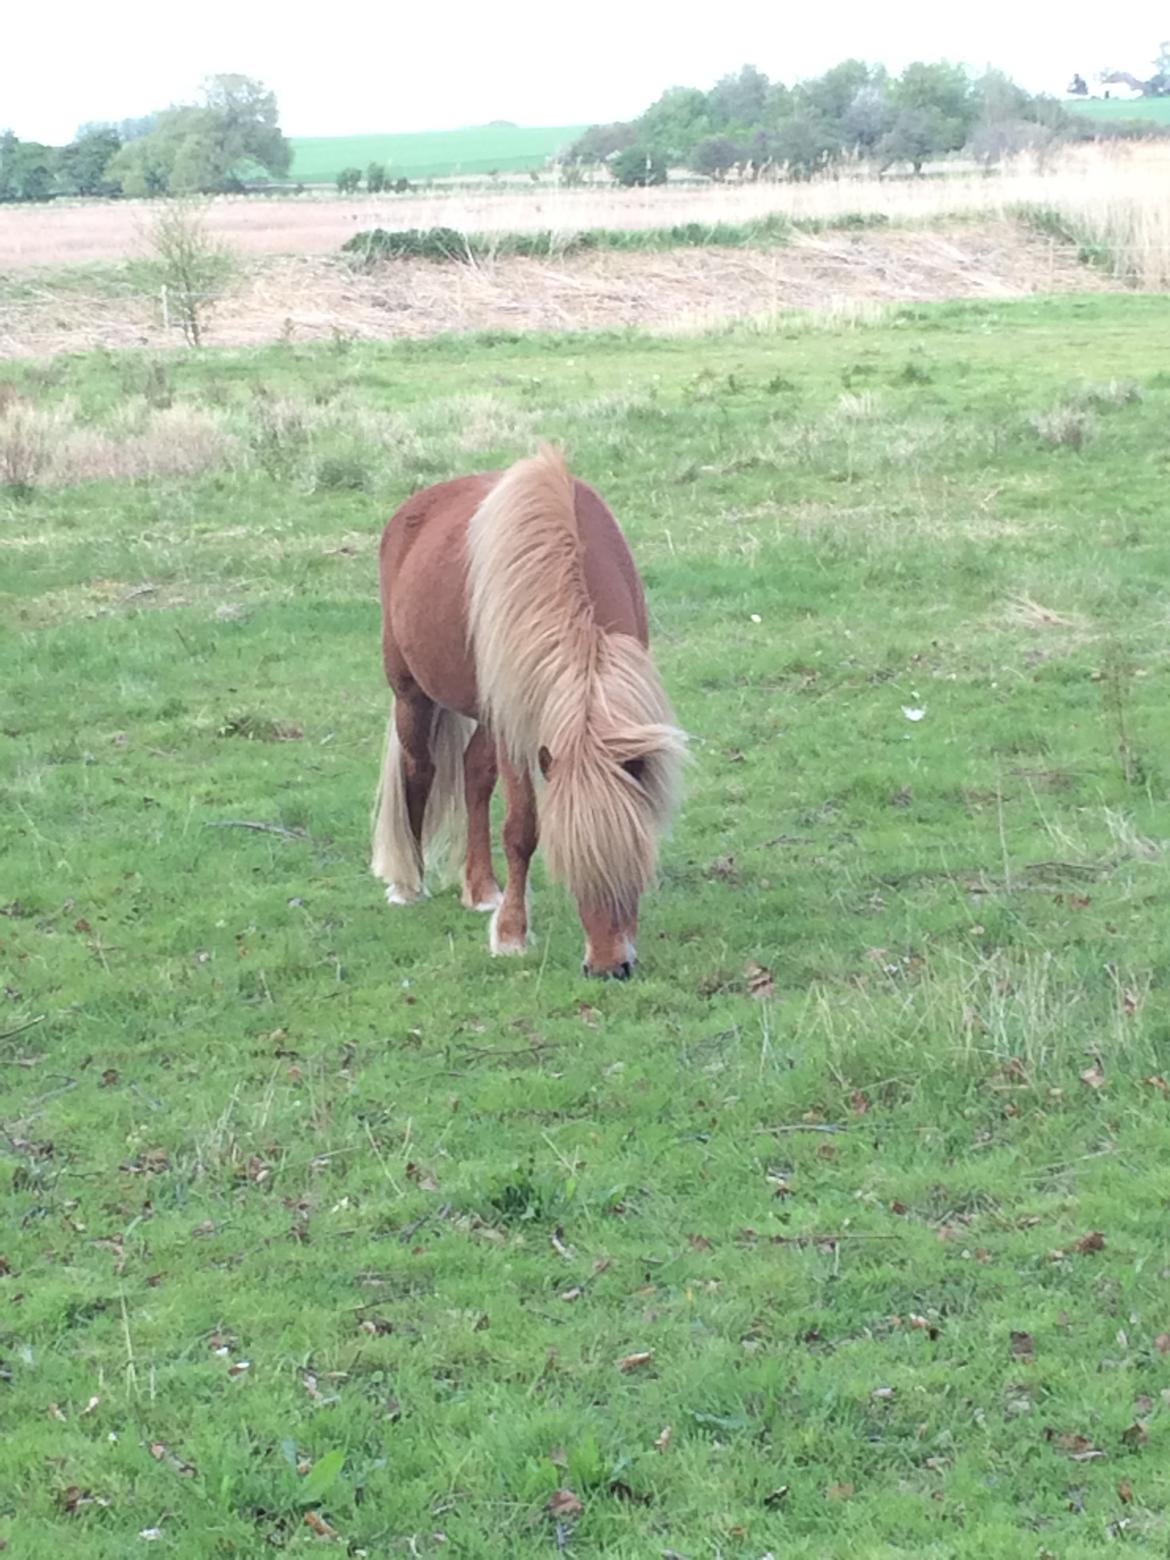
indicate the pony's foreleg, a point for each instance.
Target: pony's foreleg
{"x":480,"y":889}
{"x":509,"y":930}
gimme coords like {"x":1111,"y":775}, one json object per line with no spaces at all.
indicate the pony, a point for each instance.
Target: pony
{"x":515,"y":642}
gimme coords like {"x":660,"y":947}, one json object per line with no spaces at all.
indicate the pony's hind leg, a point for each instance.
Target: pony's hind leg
{"x":408,"y":771}
{"x":480,"y":889}
{"x":509,"y":929}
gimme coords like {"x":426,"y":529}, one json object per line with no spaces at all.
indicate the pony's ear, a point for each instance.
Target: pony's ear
{"x":544,"y":759}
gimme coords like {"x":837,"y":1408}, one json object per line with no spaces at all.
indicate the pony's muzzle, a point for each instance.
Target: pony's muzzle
{"x":621,"y":971}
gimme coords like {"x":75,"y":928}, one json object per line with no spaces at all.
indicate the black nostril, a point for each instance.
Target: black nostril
{"x":623,"y":971}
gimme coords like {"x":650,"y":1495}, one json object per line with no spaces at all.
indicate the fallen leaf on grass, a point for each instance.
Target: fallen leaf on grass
{"x":776,"y":1498}
{"x":761,"y":982}
{"x":90,"y":1406}
{"x":1136,"y":1435}
{"x":1159,"y":1083}
{"x":1093,"y":1077}
{"x":839,"y":1491}
{"x":572,"y":1294}
{"x":1125,"y":1491}
{"x":1023,"y":1345}
{"x":1093,"y":1241}
{"x":1077,"y":1447}
{"x":109,"y":1078}
{"x":55,"y":1413}
{"x":882,"y":1394}
{"x":317,"y":1524}
{"x":634,"y":1361}
{"x":558,"y":1243}
{"x":162,"y":1453}
{"x":1162,"y":1343}
{"x":663,"y":1439}
{"x":699,"y":1242}
{"x":859,"y":1102}
{"x":563,"y":1504}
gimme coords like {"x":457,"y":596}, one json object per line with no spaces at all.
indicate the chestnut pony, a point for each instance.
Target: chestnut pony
{"x":514,"y":639}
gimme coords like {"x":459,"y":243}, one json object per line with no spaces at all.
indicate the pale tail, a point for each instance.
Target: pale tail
{"x":396,"y":859}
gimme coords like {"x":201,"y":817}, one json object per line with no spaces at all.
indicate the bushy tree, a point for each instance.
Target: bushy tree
{"x":27,"y":169}
{"x":829,"y":97}
{"x":376,"y":178}
{"x":943,"y":93}
{"x":247,"y":122}
{"x":915,"y":135}
{"x":349,"y":180}
{"x":674,"y":125}
{"x":82,"y":165}
{"x":806,"y":145}
{"x":600,"y":142}
{"x":638,"y":166}
{"x":716,"y":155}
{"x":203,"y":148}
{"x":739,"y":100}
{"x":868,"y":117}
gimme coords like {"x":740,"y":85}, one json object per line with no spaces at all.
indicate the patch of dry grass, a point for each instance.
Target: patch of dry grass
{"x":838,"y":277}
{"x":51,"y":446}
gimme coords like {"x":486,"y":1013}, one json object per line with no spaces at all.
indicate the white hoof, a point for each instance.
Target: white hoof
{"x":396,"y":895}
{"x":500,"y":946}
{"x":493,"y":902}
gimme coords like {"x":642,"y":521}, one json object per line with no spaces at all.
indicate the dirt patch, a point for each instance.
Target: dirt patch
{"x":313,"y":299}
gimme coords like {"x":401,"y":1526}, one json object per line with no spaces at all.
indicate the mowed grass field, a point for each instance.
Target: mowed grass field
{"x":1155,"y":110}
{"x":842,"y":1228}
{"x":431,"y":154}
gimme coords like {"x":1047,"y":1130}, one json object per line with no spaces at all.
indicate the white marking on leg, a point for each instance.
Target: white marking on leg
{"x":396,"y":895}
{"x":496,"y":943}
{"x":493,"y":901}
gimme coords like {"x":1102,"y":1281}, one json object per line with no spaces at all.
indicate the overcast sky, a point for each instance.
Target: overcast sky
{"x":453,"y":63}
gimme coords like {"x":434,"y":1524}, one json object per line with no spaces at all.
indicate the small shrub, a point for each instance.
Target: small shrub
{"x":348,"y":181}
{"x":278,"y":435}
{"x":376,"y":178}
{"x":1068,"y":427}
{"x":637,"y":168}
{"x":27,"y":440}
{"x":342,"y":472}
{"x":192,"y":270}
{"x":1108,"y":396}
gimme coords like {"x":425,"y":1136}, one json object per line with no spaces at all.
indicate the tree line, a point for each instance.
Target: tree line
{"x":229,"y":139}
{"x":751,"y":124}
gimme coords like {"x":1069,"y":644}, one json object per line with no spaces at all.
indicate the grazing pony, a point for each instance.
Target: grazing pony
{"x":514,"y":638}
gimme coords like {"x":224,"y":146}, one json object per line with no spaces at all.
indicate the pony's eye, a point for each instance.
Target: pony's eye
{"x":635,"y":768}
{"x":544,"y":759}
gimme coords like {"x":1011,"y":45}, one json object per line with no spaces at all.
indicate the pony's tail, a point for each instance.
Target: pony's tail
{"x":395,"y":857}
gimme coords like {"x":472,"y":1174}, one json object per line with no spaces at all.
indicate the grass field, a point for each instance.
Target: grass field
{"x":1155,"y":110}
{"x":842,"y":1228}
{"x":430,"y":154}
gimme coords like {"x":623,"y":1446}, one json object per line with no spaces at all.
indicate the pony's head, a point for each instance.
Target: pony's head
{"x":612,"y":769}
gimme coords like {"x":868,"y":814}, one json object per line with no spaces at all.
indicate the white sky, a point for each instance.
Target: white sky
{"x":452,"y":63}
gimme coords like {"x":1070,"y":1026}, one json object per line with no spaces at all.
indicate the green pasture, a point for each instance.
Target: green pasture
{"x":842,"y":1229}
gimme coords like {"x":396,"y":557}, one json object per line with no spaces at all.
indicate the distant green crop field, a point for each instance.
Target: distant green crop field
{"x":431,"y":154}
{"x":1156,"y":110}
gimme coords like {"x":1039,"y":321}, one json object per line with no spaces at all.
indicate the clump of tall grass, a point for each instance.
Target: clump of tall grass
{"x":451,"y":244}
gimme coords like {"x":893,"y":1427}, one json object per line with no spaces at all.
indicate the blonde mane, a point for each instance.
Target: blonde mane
{"x":560,"y":693}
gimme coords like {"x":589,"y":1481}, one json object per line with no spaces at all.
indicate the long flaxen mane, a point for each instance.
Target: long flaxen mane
{"x":564,"y":697}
